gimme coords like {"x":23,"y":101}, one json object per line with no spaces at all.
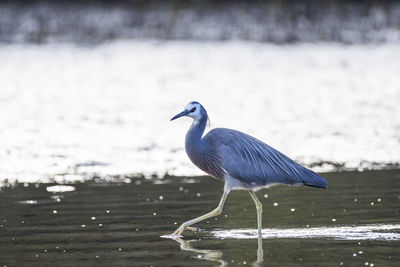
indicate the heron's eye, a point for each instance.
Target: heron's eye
{"x":193,"y":109}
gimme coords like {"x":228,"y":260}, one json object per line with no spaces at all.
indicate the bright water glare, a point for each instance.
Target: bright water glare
{"x":69,"y":113}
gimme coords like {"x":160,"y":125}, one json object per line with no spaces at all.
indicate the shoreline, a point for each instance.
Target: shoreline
{"x":273,"y":22}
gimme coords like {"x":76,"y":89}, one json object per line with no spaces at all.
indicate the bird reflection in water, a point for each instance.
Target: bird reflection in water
{"x":212,"y":254}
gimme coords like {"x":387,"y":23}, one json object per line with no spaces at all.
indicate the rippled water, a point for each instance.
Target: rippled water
{"x":351,"y":232}
{"x":70,"y":113}
{"x":355,"y":222}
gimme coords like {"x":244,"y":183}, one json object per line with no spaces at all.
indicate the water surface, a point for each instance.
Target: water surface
{"x":355,"y":222}
{"x":105,"y":110}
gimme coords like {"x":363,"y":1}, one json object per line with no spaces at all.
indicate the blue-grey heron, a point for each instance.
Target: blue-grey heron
{"x":241,"y":161}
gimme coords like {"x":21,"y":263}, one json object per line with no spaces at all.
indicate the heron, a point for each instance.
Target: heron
{"x":241,"y":161}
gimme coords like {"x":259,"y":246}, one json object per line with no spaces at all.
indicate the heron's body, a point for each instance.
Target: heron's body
{"x":251,"y":164}
{"x":240,"y":160}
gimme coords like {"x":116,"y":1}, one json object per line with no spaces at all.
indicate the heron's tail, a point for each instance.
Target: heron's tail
{"x":310,"y":178}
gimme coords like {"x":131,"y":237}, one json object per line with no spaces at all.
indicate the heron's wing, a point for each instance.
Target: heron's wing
{"x":256,"y":163}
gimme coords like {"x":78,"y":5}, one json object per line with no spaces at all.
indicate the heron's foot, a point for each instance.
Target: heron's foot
{"x":193,"y":229}
{"x":184,"y":227}
{"x":181,"y":228}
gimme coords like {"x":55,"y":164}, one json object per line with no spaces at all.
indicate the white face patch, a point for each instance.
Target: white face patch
{"x":196,"y":115}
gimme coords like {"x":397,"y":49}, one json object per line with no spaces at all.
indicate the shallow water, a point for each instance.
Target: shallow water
{"x":355,"y":222}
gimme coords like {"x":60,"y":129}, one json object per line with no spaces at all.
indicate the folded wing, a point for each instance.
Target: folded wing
{"x":254,"y":162}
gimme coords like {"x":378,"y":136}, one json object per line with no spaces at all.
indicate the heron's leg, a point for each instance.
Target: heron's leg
{"x":259,"y":223}
{"x":217,"y":211}
{"x":259,"y":211}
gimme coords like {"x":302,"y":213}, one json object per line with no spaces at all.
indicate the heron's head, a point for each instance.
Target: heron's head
{"x":194,"y":110}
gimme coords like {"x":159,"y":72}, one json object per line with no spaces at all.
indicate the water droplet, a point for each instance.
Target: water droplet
{"x":154,"y":213}
{"x":137,"y":229}
{"x":355,"y":200}
{"x":265,"y":195}
{"x":93,"y":218}
{"x":292,"y":209}
{"x":100,"y":224}
{"x":372,"y":203}
{"x":83,"y":225}
{"x":199,"y":256}
{"x":60,"y":188}
{"x":107,"y":211}
{"x":120,"y":249}
{"x":54,"y":211}
{"x":371,"y":264}
{"x":175,"y":223}
{"x":354,"y":254}
{"x":29,"y":201}
{"x":226,"y":215}
{"x":244,"y":262}
{"x":275,"y":204}
{"x":160,"y":197}
{"x":97,"y":256}
{"x":366,"y":263}
{"x":333,"y":220}
{"x":180,"y":188}
{"x":379,"y":200}
{"x":360,"y":252}
{"x":198,"y":195}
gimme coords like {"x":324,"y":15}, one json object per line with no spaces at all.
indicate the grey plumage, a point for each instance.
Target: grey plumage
{"x":243,"y":157}
{"x":240,"y":160}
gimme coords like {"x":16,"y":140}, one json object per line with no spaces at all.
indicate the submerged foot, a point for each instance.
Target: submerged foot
{"x":193,"y":229}
{"x":183,"y":227}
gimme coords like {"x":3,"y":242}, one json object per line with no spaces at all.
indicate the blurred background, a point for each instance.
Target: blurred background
{"x":88,"y":87}
{"x":92,"y":171}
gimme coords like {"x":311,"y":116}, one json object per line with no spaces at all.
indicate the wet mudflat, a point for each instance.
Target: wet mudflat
{"x":355,"y":222}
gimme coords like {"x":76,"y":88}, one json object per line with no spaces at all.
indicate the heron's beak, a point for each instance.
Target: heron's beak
{"x":183,"y":113}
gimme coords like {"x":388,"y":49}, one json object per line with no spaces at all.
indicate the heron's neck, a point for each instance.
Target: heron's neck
{"x":193,"y":136}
